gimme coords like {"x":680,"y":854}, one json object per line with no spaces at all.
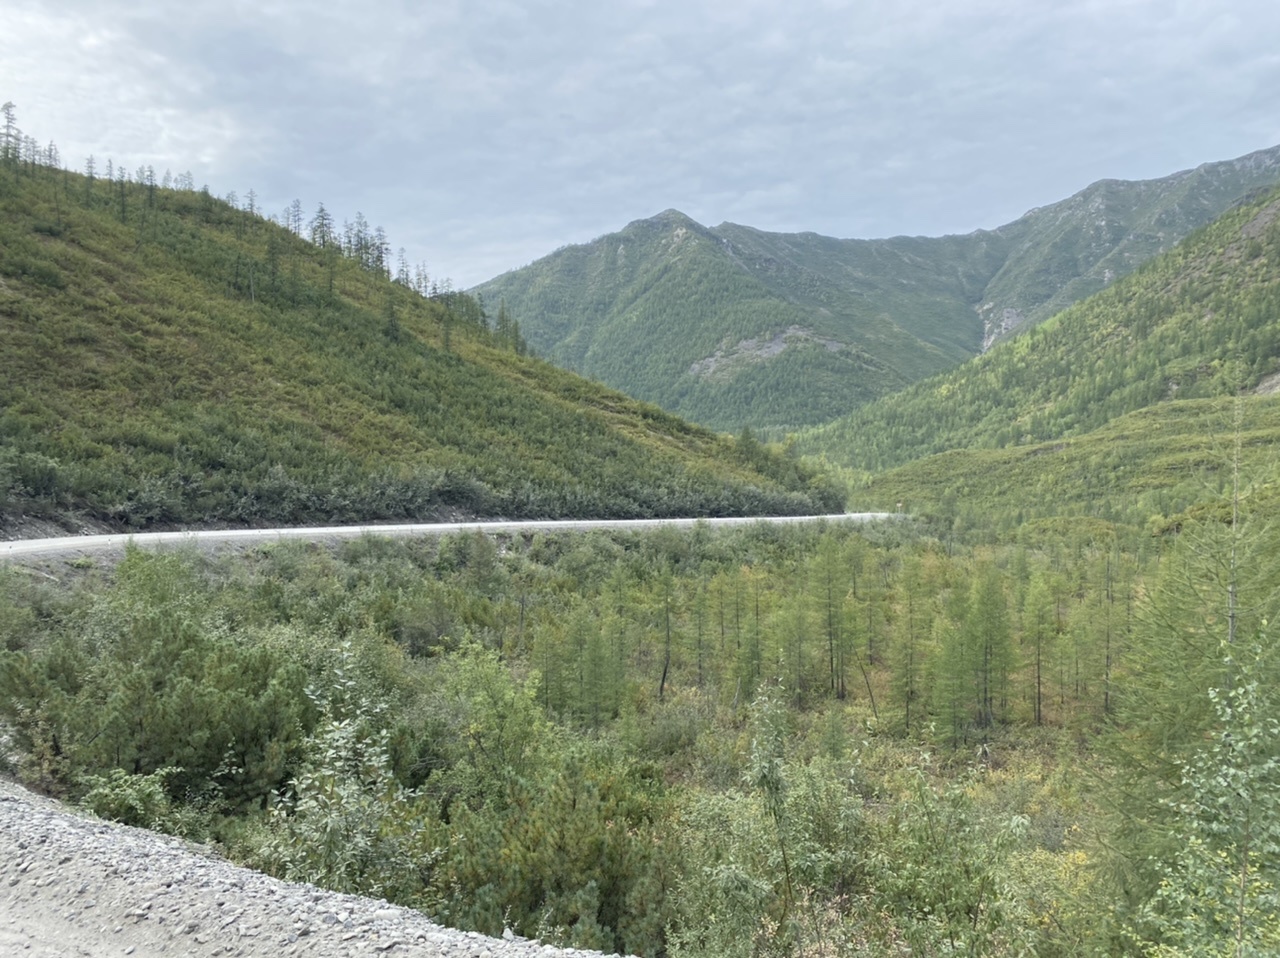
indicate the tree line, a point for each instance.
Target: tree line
{"x":356,"y":240}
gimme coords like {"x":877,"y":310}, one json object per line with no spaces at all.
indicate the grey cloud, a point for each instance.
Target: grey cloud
{"x":483,"y":134}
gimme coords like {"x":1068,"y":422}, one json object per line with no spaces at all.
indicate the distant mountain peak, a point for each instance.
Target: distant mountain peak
{"x":645,"y":308}
{"x":668,"y":217}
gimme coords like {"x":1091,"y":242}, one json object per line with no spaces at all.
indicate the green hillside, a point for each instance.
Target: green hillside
{"x":1202,"y":320}
{"x":171,"y":359}
{"x":732,"y":326}
{"x":665,"y":311}
{"x":1150,"y":469}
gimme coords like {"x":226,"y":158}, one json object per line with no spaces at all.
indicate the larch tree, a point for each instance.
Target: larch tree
{"x":10,"y":135}
{"x":1039,"y":632}
{"x":990,"y":642}
{"x":912,"y":627}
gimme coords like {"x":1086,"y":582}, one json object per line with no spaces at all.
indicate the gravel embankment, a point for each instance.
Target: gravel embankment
{"x":73,"y":885}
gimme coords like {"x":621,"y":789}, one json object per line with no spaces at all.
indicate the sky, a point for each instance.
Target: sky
{"x":484,"y":134}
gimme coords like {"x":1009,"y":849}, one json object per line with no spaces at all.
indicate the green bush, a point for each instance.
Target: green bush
{"x":139,"y":800}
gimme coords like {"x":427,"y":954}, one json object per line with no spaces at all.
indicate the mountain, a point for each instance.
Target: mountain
{"x":1072,"y":249}
{"x":733,"y":326}
{"x":1136,"y":402}
{"x":170,"y":359}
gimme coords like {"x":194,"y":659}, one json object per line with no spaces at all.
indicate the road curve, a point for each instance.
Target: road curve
{"x":28,"y":548}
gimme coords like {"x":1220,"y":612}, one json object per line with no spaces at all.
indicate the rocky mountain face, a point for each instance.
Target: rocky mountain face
{"x":733,"y":326}
{"x":1065,"y":252}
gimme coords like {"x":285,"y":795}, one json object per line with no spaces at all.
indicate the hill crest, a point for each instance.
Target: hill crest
{"x":171,"y":360}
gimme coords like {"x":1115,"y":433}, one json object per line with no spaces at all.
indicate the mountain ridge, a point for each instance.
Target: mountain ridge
{"x":1198,"y":322}
{"x":642,"y":310}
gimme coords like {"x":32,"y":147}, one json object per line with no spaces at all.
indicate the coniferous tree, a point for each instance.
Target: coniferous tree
{"x":912,"y":630}
{"x":10,"y":135}
{"x":1040,"y":628}
{"x":293,"y":217}
{"x":829,"y":580}
{"x":990,"y":641}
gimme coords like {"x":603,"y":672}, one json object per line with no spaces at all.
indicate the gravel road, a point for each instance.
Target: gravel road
{"x":71,"y":885}
{"x":22,"y":548}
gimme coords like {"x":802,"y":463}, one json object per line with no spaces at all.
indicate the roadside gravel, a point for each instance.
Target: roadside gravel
{"x":72,"y":885}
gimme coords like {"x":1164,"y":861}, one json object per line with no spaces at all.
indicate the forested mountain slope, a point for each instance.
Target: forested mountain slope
{"x":734,"y":326}
{"x":169,"y":358}
{"x":1069,"y":250}
{"x":1201,"y":320}
{"x":1150,"y":470}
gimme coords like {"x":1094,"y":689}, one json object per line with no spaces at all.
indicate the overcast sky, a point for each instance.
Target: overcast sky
{"x":483,"y":134}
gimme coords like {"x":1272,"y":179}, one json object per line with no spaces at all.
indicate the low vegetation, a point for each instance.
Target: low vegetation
{"x":758,"y":741}
{"x":1150,"y":469}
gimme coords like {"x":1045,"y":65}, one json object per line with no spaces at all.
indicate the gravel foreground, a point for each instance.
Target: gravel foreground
{"x":73,"y":885}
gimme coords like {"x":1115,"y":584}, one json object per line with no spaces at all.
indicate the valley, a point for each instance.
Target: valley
{"x":379,"y":602}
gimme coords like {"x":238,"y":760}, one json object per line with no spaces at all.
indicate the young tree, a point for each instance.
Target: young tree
{"x":952,"y":665}
{"x":394,"y":331}
{"x":322,"y":230}
{"x":828,"y":580}
{"x":667,"y":586}
{"x":1039,"y":632}
{"x":421,"y":281}
{"x":1220,"y":893}
{"x":989,"y":640}
{"x":122,"y":184}
{"x":379,"y":259}
{"x":293,"y":217}
{"x":912,"y":628}
{"x":10,"y":135}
